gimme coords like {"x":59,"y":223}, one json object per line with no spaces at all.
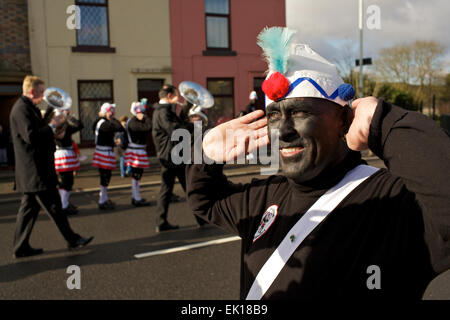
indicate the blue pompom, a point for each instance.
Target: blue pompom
{"x":346,"y":92}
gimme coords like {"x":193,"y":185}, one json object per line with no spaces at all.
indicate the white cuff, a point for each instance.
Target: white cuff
{"x":53,"y":127}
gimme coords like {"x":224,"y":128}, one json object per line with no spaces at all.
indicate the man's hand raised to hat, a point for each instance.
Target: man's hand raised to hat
{"x":358,"y":134}
{"x":231,"y":139}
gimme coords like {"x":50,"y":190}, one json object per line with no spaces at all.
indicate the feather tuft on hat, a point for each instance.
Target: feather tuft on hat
{"x":296,"y":70}
{"x":275,"y":43}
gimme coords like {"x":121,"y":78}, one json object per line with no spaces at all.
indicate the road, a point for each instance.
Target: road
{"x":108,"y":267}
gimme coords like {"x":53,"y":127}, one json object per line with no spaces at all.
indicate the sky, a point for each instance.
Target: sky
{"x":330,"y":27}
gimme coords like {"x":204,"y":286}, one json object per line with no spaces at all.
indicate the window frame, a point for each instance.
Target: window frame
{"x":87,"y":143}
{"x":161,"y":80}
{"x":95,"y":48}
{"x":258,"y":89}
{"x":212,"y":50}
{"x":224,"y":95}
{"x":151,"y":148}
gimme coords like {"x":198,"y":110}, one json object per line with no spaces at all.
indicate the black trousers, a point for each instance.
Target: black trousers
{"x":168,"y":176}
{"x":66,"y":180}
{"x":136,"y":173}
{"x":31,"y":203}
{"x":105,"y":176}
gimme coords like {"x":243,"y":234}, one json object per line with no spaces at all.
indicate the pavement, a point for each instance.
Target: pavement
{"x":87,"y":179}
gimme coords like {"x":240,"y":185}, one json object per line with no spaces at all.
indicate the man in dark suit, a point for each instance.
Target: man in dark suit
{"x":165,"y":122}
{"x":34,"y":147}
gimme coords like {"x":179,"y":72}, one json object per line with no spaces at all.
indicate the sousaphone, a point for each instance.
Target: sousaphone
{"x":198,"y":97}
{"x":57,"y":98}
{"x":60,"y":101}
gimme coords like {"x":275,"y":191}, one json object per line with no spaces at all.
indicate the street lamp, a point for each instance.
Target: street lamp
{"x":360,"y":48}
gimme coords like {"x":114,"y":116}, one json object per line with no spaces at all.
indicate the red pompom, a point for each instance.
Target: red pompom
{"x":276,"y":86}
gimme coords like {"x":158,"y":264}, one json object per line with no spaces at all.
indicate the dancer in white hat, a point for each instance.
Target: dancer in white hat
{"x":66,"y":162}
{"x":138,"y":128}
{"x":104,"y":158}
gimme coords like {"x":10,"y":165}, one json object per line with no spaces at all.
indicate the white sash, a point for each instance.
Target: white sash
{"x":305,"y":225}
{"x":97,"y":128}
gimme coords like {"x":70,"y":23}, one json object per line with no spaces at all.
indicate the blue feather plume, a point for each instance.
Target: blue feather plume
{"x":275,"y":42}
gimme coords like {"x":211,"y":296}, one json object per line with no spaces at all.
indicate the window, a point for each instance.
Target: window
{"x":257,"y":86}
{"x":149,"y":88}
{"x":217,"y":24}
{"x":223,"y":92}
{"x":93,"y":36}
{"x":91,"y":95}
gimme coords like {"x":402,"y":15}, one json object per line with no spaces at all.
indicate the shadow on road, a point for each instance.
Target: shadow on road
{"x":9,"y":215}
{"x":107,"y":253}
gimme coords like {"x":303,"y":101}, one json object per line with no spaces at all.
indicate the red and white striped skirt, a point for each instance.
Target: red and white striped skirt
{"x":136,"y":157}
{"x":66,"y":160}
{"x":104,"y":158}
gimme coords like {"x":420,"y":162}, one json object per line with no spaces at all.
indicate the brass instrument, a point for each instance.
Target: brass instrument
{"x":198,"y":97}
{"x":58,"y":101}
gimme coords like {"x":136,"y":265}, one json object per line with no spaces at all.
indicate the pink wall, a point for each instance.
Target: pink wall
{"x":188,"y":41}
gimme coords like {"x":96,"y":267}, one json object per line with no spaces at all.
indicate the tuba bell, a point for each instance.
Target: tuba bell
{"x":198,"y":99}
{"x":58,"y":101}
{"x":57,"y":98}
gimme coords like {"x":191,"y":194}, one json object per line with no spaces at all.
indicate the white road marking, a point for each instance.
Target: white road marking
{"x":186,"y":247}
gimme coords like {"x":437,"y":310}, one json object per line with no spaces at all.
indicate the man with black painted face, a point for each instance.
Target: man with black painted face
{"x":312,"y":132}
{"x":330,"y":226}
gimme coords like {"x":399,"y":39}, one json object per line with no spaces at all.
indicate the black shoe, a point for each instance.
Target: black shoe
{"x":81,"y":242}
{"x":28,"y":252}
{"x":166,"y":227}
{"x":103,"y":206}
{"x":202,"y":225}
{"x":111,"y":204}
{"x":69,"y":211}
{"x":72,"y":206}
{"x":139,"y":203}
{"x":175,"y":198}
{"x":107,"y":205}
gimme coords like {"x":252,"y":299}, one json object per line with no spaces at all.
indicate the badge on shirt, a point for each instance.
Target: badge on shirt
{"x":266,"y":221}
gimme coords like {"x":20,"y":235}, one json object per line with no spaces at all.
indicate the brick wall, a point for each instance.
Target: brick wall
{"x":14,"y":42}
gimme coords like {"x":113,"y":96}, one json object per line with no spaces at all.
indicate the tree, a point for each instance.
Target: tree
{"x":396,"y":64}
{"x":399,"y":97}
{"x":427,"y":57}
{"x":445,"y":89}
{"x":416,"y":65}
{"x":345,"y":62}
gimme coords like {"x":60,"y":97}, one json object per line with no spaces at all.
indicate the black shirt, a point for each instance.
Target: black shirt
{"x":165,"y":122}
{"x":73,"y":125}
{"x":139,"y":129}
{"x":106,"y":131}
{"x":398,"y":219}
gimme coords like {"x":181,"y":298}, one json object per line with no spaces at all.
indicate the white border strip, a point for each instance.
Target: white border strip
{"x":186,"y":247}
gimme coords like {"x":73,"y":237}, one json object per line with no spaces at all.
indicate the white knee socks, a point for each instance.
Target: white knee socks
{"x":136,"y":194}
{"x":103,"y":194}
{"x":64,"y":194}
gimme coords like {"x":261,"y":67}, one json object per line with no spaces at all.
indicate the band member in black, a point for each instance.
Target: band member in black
{"x":165,"y":121}
{"x":34,"y":148}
